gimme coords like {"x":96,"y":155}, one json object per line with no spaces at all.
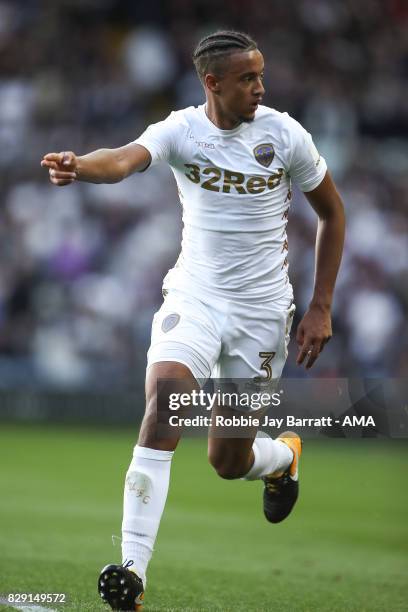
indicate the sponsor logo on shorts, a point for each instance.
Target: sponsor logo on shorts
{"x":264,"y":154}
{"x":170,"y":321}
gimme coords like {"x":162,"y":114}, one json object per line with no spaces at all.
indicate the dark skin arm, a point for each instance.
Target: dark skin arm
{"x":101,"y":166}
{"x":315,"y":330}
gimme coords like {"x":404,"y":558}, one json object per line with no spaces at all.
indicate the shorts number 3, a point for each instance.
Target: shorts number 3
{"x":266,"y":365}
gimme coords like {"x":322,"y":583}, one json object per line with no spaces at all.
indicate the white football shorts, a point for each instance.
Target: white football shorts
{"x":220,"y":338}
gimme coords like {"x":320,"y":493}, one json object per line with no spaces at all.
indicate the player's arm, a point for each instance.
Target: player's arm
{"x":101,"y":166}
{"x":315,"y":328}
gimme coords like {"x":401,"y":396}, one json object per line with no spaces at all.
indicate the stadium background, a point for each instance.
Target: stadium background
{"x":80,"y":278}
{"x":81,"y":267}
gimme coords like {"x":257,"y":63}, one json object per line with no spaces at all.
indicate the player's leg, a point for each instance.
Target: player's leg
{"x":252,"y":456}
{"x":231,"y":457}
{"x":275,"y":461}
{"x":184,"y":347}
{"x":259,"y":351}
{"x":160,"y":378}
{"x":146,"y":488}
{"x":148,"y":476}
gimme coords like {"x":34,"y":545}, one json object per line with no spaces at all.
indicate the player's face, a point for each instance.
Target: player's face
{"x":241,"y":87}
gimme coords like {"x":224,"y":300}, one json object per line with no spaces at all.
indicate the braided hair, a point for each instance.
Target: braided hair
{"x":213,"y":49}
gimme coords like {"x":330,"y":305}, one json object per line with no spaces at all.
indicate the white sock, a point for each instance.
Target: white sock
{"x":270,"y":456}
{"x":146,"y":486}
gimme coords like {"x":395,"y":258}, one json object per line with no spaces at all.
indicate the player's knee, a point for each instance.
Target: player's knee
{"x":150,"y":435}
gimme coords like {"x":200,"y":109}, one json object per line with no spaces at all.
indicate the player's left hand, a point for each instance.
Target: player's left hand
{"x":313,"y":332}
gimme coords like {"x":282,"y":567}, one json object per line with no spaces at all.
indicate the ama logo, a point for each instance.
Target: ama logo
{"x":363,"y":421}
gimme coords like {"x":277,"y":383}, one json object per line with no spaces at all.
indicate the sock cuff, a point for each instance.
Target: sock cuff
{"x":253,"y":472}
{"x":151,"y":453}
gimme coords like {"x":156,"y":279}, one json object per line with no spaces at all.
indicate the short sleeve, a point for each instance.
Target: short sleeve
{"x":160,"y":140}
{"x":307,"y":167}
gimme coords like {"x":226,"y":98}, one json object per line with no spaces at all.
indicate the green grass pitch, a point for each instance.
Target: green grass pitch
{"x":343,"y":548}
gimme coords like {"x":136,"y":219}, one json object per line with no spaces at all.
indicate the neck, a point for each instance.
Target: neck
{"x":219,"y":118}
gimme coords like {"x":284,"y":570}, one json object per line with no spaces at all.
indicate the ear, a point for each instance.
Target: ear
{"x":212,"y":83}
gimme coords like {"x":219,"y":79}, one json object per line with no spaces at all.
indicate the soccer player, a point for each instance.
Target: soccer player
{"x":228,"y":303}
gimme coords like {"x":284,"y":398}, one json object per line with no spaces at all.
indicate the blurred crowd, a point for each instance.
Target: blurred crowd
{"x":81,"y":266}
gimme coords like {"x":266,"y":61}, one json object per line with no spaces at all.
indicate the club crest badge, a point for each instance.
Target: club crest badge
{"x":264,"y":154}
{"x":170,"y":321}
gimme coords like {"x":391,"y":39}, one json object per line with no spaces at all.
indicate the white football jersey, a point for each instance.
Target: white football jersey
{"x":235,"y":190}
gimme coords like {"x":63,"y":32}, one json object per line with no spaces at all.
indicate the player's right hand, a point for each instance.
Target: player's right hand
{"x":62,"y":167}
